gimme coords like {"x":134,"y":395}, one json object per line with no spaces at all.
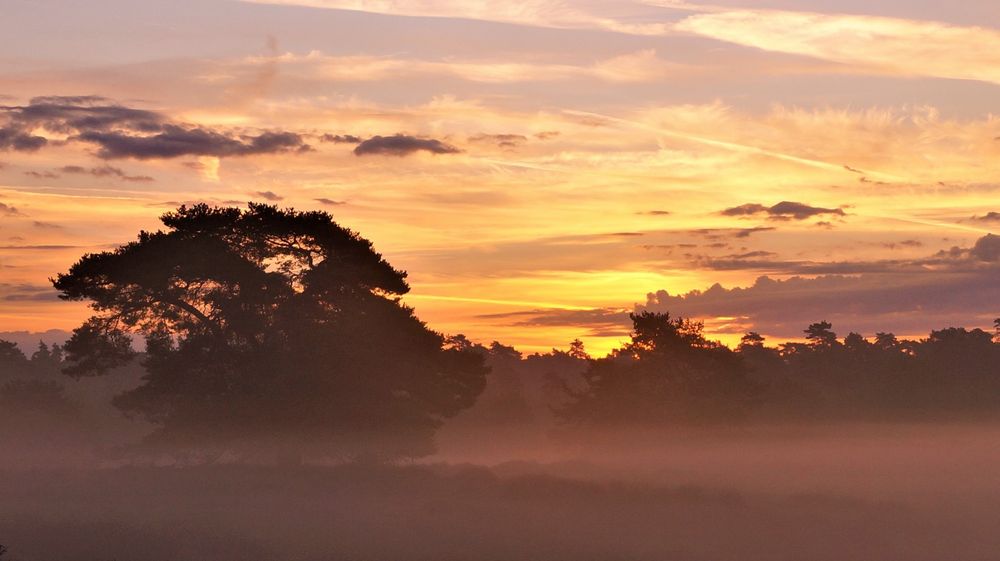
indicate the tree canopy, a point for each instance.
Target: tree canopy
{"x":268,"y":325}
{"x":669,"y":373}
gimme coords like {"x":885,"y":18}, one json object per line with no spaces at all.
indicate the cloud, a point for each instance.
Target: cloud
{"x":38,"y":247}
{"x":27,"y":293}
{"x":785,"y":210}
{"x":903,"y":244}
{"x":69,"y":114}
{"x":500,"y":140}
{"x":176,"y":141}
{"x":329,"y":202}
{"x":12,"y":138}
{"x":268,"y":195}
{"x":600,"y":322}
{"x":957,"y":287}
{"x":402,"y":145}
{"x":535,"y":13}
{"x":340,"y":138}
{"x":655,"y":213}
{"x":868,"y":44}
{"x":643,"y":66}
{"x":41,"y":174}
{"x":125,"y":132}
{"x":7,"y":210}
{"x":991,"y":216}
{"x":987,"y":249}
{"x":46,"y":225}
{"x":720,"y":233}
{"x":106,"y":171}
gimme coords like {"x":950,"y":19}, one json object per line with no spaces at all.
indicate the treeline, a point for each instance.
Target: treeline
{"x":669,"y":374}
{"x":281,"y":331}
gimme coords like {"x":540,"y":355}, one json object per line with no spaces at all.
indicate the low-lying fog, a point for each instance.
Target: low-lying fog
{"x":880,"y":492}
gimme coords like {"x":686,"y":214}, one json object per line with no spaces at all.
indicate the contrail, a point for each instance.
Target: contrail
{"x":948,"y":225}
{"x":732,"y":146}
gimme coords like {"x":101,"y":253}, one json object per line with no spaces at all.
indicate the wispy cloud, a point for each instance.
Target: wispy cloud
{"x":535,"y":13}
{"x":870,"y":44}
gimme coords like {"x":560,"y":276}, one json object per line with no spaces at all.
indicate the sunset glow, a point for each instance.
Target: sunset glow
{"x":538,"y":168}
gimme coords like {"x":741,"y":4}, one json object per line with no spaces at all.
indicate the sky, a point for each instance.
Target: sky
{"x":539,"y":168}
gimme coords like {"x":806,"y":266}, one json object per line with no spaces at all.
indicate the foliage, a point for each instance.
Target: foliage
{"x":268,"y":326}
{"x":668,"y":373}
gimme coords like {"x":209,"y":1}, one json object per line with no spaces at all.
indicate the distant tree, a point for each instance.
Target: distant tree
{"x":268,"y":326}
{"x":13,"y":363}
{"x":577,"y":350}
{"x":855,"y":343}
{"x":886,"y":341}
{"x":820,"y":335}
{"x":10,"y":354}
{"x":669,"y":373}
{"x":751,"y":339}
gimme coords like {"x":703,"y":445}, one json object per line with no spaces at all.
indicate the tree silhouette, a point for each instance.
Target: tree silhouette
{"x":268,"y":326}
{"x":669,"y":373}
{"x":820,"y":335}
{"x":578,"y":350}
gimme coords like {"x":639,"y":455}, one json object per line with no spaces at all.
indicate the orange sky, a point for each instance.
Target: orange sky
{"x":558,"y":161}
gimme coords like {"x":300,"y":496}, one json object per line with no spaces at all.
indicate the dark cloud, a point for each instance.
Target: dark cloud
{"x":991,"y":216}
{"x":987,"y":249}
{"x":46,"y":225}
{"x":7,"y":210}
{"x":71,"y":114}
{"x":12,"y":138}
{"x":340,"y":138}
{"x":402,"y":145}
{"x":27,"y":293}
{"x":500,"y":140}
{"x":902,"y":244}
{"x":655,"y":213}
{"x":600,"y":322}
{"x":719,"y":233}
{"x":176,"y":141}
{"x":125,"y":132}
{"x":268,"y":195}
{"x":106,"y":171}
{"x":329,"y":202}
{"x":785,"y":210}
{"x":42,"y":174}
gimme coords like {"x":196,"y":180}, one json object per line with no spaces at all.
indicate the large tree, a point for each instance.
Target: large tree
{"x":268,"y":327}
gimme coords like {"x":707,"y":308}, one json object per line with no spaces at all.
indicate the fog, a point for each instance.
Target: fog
{"x":906,"y":492}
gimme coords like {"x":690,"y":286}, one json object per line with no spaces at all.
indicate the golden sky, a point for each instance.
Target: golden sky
{"x":539,"y":168}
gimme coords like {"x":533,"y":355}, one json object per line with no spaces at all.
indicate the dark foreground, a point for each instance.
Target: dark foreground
{"x":876,"y":494}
